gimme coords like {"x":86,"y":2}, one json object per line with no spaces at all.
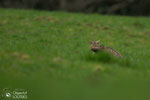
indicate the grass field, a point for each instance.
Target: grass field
{"x":41,"y":50}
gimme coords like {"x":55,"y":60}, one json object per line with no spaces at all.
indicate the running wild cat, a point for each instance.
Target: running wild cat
{"x":96,"y":46}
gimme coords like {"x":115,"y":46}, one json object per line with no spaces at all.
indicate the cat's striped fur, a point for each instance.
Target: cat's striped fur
{"x":97,"y":47}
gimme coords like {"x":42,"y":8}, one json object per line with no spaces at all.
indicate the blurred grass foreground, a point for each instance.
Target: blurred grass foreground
{"x":47,"y":54}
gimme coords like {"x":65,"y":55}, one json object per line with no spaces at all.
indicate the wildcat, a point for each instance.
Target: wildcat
{"x":96,"y":46}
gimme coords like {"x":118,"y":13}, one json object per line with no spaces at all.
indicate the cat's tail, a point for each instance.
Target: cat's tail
{"x":114,"y":52}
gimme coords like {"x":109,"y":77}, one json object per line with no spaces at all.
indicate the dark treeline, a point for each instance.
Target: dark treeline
{"x":122,"y":7}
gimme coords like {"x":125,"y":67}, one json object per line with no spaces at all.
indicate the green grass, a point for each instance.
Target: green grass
{"x":38,"y":46}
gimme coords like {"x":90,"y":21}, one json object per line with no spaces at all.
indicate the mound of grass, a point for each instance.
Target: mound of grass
{"x":106,"y":58}
{"x":100,"y":57}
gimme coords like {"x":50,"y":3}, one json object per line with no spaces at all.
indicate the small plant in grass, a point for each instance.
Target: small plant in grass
{"x":100,"y":57}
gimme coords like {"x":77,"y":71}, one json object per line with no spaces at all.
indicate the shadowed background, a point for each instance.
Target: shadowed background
{"x":121,"y":7}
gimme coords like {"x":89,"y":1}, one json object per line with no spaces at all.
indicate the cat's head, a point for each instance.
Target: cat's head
{"x":96,"y":46}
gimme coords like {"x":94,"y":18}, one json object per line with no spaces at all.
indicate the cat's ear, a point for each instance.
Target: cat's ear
{"x":98,"y":41}
{"x":91,"y":42}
